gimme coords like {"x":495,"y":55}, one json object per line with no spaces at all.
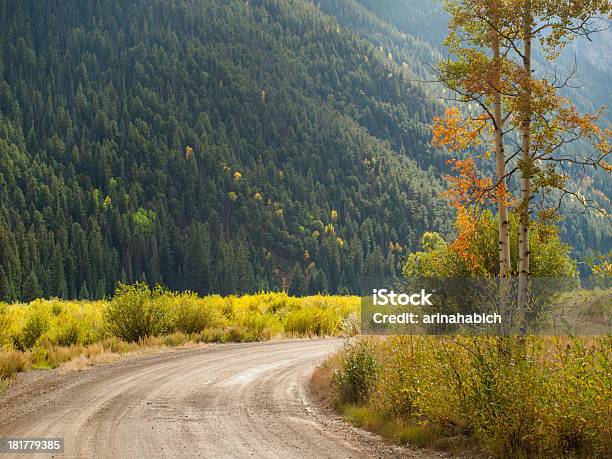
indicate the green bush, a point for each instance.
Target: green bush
{"x":358,"y":372}
{"x":137,"y":311}
{"x":550,"y":257}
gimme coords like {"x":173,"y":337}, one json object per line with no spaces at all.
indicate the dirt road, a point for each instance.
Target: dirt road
{"x":239,"y":400}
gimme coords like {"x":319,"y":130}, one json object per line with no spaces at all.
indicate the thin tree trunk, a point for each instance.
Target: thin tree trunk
{"x":505,"y":262}
{"x":526,"y":167}
{"x":503,"y":224}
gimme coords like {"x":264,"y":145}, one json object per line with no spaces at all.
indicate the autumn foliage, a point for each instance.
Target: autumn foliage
{"x":457,"y":132}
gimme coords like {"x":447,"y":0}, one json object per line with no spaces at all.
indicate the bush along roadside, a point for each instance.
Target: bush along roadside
{"x":505,"y":397}
{"x":47,"y":333}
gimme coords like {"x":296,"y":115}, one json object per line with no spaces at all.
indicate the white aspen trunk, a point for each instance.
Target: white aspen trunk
{"x":505,"y":262}
{"x":503,"y":224}
{"x":526,"y":167}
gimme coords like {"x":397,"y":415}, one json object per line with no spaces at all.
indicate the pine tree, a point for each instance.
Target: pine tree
{"x":100,"y":289}
{"x":58,"y":278}
{"x":31,"y":289}
{"x":84,"y":292}
{"x":297,"y":286}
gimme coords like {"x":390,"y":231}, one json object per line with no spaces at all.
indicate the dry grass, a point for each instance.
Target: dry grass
{"x":398,"y":430}
{"x":12,"y":362}
{"x":320,"y":384}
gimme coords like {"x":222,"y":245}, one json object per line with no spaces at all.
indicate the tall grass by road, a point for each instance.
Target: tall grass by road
{"x":47,"y":333}
{"x":511,"y":397}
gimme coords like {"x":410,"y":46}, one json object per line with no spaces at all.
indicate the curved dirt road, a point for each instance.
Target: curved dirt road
{"x":241,"y":400}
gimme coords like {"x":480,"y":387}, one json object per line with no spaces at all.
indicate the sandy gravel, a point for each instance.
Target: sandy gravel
{"x":237,"y":400}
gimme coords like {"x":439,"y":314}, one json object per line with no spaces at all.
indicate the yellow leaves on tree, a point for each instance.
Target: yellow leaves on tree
{"x":555,"y":121}
{"x":586,"y":126}
{"x":475,"y":75}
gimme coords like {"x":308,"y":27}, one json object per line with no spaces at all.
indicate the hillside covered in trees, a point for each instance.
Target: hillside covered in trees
{"x":208,"y":145}
{"x":219,"y":146}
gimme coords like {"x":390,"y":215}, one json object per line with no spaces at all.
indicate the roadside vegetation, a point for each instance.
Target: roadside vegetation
{"x":47,"y":333}
{"x":508,"y":397}
{"x":499,"y":396}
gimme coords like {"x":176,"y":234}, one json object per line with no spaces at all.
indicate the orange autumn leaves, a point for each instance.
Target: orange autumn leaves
{"x":467,"y":191}
{"x":467,"y":188}
{"x":457,"y":133}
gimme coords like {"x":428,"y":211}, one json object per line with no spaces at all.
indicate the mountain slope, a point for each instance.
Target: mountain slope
{"x":211,"y":145}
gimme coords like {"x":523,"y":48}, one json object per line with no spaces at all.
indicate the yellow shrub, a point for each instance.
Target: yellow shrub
{"x":55,"y":331}
{"x":192,"y":314}
{"x":5,"y":323}
{"x":137,"y":312}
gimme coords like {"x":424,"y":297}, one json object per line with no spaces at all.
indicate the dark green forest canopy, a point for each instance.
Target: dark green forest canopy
{"x":100,"y":100}
{"x":221,"y":146}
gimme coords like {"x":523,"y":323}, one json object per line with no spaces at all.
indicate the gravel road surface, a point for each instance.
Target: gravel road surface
{"x":234,"y":400}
